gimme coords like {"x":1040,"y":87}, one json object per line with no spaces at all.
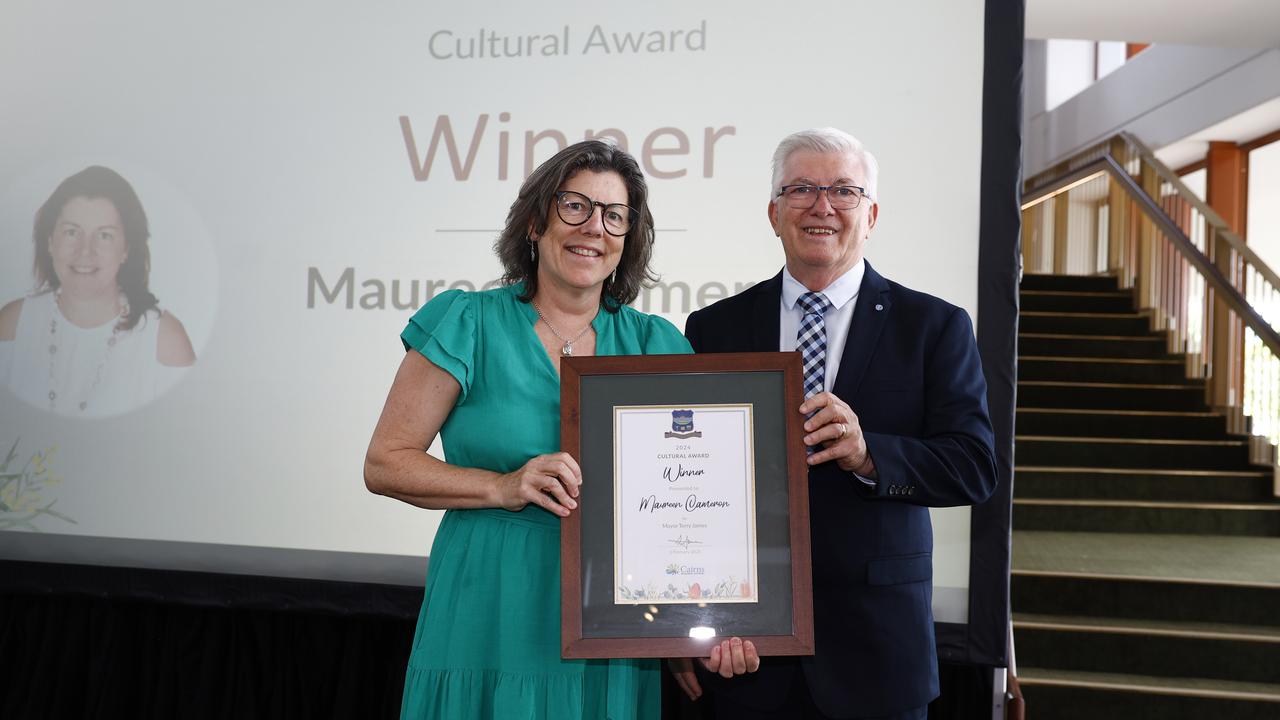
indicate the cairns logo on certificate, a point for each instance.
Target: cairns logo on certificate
{"x":684,"y":504}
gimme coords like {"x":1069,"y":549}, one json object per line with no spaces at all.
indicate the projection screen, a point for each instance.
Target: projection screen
{"x":313,"y":172}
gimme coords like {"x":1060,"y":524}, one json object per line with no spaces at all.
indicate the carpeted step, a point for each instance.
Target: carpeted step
{"x":1221,"y":560}
{"x":1084,"y":323}
{"x":1122,"y":423}
{"x":1111,"y":396}
{"x":1128,"y":596}
{"x":1069,"y":301}
{"x":1217,"y":486}
{"x":1133,"y":516}
{"x":1076,"y":345}
{"x":1221,"y":651}
{"x":1191,"y":609}
{"x":1072,"y":695}
{"x":1145,"y":578}
{"x":1069,"y":283}
{"x":1110,"y":452}
{"x":1104,"y":370}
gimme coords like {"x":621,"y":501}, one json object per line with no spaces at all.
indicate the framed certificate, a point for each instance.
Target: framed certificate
{"x":693,"y":520}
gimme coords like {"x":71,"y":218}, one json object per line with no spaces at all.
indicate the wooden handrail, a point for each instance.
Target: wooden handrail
{"x":1219,"y":225}
{"x":1082,"y":174}
{"x":1177,"y":238}
{"x":1221,"y":286}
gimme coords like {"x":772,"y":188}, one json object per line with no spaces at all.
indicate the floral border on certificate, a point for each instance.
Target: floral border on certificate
{"x":729,"y":587}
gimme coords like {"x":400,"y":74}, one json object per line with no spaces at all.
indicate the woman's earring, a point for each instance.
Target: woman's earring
{"x":533,"y":251}
{"x":613,"y":276}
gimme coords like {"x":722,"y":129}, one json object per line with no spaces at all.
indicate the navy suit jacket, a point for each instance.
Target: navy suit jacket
{"x":911,"y":372}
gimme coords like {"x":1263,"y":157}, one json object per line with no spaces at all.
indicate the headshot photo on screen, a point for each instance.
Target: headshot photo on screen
{"x":91,"y":339}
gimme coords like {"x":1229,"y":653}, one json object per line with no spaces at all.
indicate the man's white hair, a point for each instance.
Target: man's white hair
{"x":823,"y":140}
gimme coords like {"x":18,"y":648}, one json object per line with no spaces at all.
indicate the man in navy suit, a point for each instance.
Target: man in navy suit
{"x":896,"y":423}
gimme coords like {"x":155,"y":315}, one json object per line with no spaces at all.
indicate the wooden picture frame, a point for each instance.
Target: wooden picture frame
{"x":777,"y":612}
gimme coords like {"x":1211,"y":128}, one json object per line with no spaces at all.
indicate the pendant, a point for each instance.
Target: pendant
{"x":567,"y":349}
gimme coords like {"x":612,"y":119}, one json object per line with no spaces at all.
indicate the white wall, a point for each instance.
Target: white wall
{"x":1263,"y":223}
{"x":1196,"y":183}
{"x":1069,"y":69}
{"x":1111,"y":56}
{"x":1162,"y":95}
{"x":1074,"y":65}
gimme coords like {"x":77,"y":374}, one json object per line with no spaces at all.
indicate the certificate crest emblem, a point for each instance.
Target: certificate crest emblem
{"x":682,"y":425}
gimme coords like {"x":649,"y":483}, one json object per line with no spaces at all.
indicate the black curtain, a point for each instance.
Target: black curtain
{"x":68,"y":654}
{"x":964,"y":694}
{"x":76,"y":642}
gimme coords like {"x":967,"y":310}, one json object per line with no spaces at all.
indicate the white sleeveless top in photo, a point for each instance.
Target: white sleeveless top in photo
{"x":80,"y":372}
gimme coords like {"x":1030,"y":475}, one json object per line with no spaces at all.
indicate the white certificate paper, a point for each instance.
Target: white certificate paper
{"x":684,"y":504}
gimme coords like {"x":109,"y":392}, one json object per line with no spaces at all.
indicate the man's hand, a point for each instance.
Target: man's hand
{"x":729,"y":658}
{"x":835,"y":428}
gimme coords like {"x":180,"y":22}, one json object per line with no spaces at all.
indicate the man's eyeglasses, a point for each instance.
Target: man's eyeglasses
{"x":841,"y":197}
{"x":574,"y":208}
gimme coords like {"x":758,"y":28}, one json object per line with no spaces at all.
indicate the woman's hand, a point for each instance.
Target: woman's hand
{"x":420,"y":401}
{"x":548,"y":481}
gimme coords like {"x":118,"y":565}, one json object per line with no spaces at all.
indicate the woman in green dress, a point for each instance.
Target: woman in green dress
{"x":482,"y":370}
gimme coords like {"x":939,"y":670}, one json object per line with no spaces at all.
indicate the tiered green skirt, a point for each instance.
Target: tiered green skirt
{"x":488,"y":637}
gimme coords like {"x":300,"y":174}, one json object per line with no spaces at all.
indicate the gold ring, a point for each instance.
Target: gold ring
{"x":843,"y":431}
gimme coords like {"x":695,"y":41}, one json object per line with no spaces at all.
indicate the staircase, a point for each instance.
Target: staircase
{"x":1146,"y":546}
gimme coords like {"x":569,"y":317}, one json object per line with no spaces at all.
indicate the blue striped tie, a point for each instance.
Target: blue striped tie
{"x":811,"y":341}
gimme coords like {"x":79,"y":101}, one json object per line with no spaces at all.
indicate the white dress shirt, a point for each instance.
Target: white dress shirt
{"x":843,"y":295}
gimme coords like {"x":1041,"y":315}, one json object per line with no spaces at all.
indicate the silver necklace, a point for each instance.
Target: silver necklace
{"x":567,"y":348}
{"x":54,"y":337}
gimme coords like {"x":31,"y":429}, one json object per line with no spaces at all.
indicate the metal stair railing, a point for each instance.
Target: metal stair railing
{"x":1117,"y":210}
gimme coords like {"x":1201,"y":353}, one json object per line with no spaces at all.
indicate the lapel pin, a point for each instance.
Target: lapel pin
{"x":879,"y":307}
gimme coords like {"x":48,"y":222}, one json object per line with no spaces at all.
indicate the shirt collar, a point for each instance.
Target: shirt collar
{"x":840,"y":292}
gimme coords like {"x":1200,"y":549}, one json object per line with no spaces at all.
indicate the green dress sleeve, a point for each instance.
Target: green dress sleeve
{"x":662,"y":338}
{"x":444,"y":331}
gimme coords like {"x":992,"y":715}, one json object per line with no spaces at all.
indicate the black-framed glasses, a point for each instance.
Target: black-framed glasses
{"x":804,"y":196}
{"x":574,"y":208}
